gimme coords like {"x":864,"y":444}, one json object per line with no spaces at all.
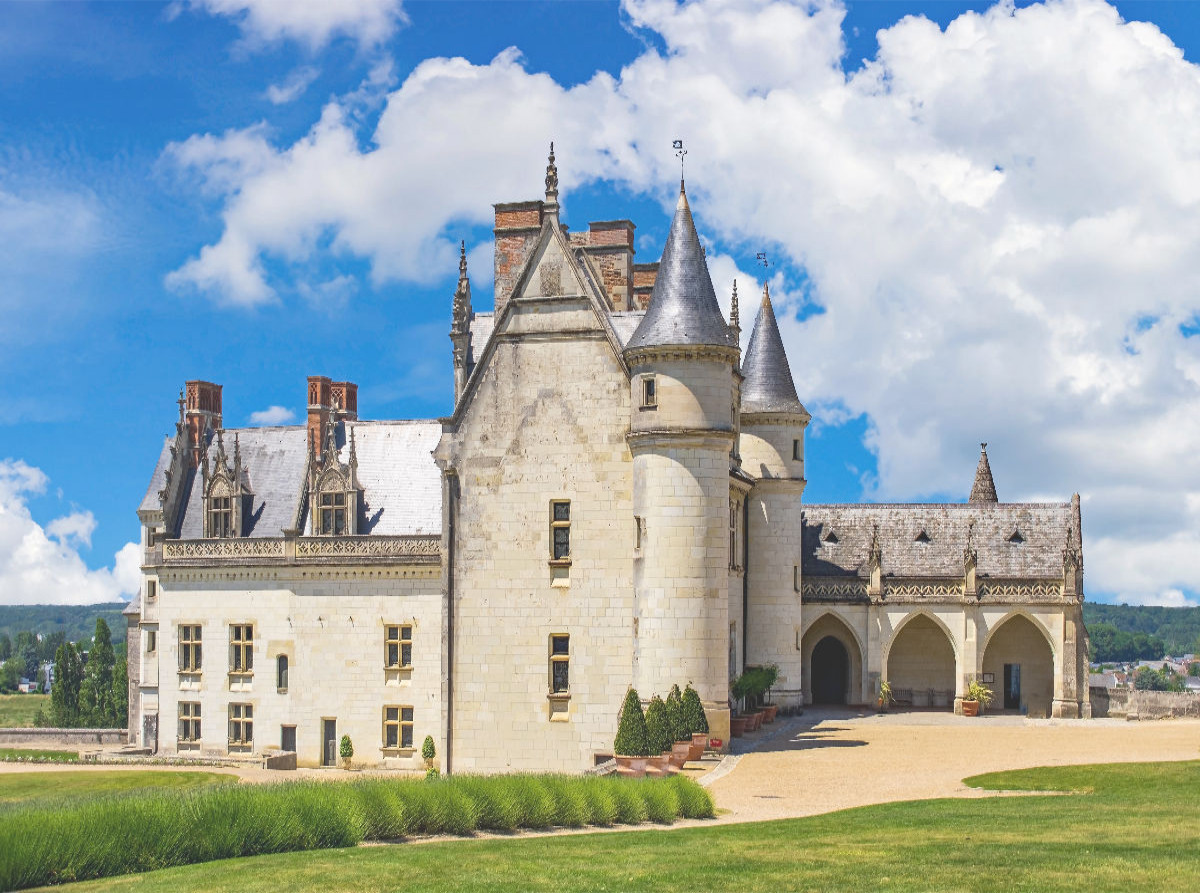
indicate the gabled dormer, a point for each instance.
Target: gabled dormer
{"x":335,"y":494}
{"x":225,"y":492}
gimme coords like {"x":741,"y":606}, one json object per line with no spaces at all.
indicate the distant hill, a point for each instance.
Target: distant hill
{"x":76,"y":622}
{"x":1179,"y":628}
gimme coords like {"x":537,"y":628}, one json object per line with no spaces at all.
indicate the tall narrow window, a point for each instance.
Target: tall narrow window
{"x":241,"y":648}
{"x":281,"y":672}
{"x":649,"y":392}
{"x":241,"y":724}
{"x":560,"y":664}
{"x":796,"y":450}
{"x":560,"y":530}
{"x":189,"y":649}
{"x":733,"y":535}
{"x":220,"y":516}
{"x":333,"y":514}
{"x":399,"y":647}
{"x":151,"y":641}
{"x":397,"y":727}
{"x":189,"y":721}
{"x":639,"y":533}
{"x":151,"y":589}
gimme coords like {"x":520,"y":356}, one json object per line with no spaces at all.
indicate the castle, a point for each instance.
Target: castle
{"x":616,"y":500}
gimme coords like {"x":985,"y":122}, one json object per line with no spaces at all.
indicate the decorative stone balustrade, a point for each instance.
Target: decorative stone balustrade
{"x":304,"y":550}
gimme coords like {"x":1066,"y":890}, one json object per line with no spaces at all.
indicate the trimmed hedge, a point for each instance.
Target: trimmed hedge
{"x":107,"y":836}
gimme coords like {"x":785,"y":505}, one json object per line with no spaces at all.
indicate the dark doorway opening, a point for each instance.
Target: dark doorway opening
{"x":830,"y":671}
{"x":1012,"y":686}
{"x":329,"y":750}
{"x":287,"y":738}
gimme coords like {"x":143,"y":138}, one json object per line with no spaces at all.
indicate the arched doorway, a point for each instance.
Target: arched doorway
{"x":832,"y":662}
{"x":830,"y":672}
{"x":1020,"y":662}
{"x":920,"y":665}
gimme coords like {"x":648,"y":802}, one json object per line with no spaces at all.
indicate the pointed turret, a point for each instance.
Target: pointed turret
{"x":683,"y":306}
{"x":768,"y":386}
{"x":984,"y":488}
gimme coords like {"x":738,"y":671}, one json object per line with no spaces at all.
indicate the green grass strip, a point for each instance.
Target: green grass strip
{"x":147,"y":830}
{"x":19,"y":755}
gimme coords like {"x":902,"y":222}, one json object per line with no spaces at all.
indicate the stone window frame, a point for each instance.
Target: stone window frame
{"x":283,"y":670}
{"x":189,"y":723}
{"x":560,"y":523}
{"x":241,"y":650}
{"x":735,"y":534}
{"x":397,"y":643}
{"x":559,"y":657}
{"x":220,"y":516}
{"x":151,"y":641}
{"x":191,"y":642}
{"x":649,"y":392}
{"x":241,"y":726}
{"x":795,"y":449}
{"x":398,"y":720}
{"x":151,"y":589}
{"x":639,"y":533}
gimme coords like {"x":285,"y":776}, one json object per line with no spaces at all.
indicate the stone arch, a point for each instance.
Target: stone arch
{"x":1020,"y":654}
{"x":831,"y":626}
{"x":920,"y":662}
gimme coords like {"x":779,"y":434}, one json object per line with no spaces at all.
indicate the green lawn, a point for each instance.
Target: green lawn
{"x":18,"y":754}
{"x":23,"y":787}
{"x":18,"y":711}
{"x":1130,"y":827}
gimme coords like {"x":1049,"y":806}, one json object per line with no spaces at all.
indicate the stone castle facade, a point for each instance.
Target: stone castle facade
{"x":616,"y":500}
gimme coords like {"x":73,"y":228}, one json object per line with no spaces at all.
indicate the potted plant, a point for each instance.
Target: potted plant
{"x":978,"y":695}
{"x":681,"y":735}
{"x":429,"y":754}
{"x":885,"y":695}
{"x":749,"y":687}
{"x":631,"y":745}
{"x":697,"y":722}
{"x":658,"y":735}
{"x":346,"y":751}
{"x":770,"y":675}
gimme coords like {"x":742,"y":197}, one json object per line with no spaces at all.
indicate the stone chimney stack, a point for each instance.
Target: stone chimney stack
{"x":345,"y":398}
{"x":202,"y":411}
{"x":517,"y":227}
{"x":610,"y":245}
{"x":320,"y":405}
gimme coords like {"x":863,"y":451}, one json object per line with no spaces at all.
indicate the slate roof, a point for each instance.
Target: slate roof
{"x":768,"y":386}
{"x":482,"y":326}
{"x":401,"y":483}
{"x":683,"y":307}
{"x":158,"y":480}
{"x":1042,"y":530}
{"x":984,"y":488}
{"x":625,"y":323}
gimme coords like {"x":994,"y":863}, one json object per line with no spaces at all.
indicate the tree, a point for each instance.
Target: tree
{"x":10,"y":674}
{"x":631,"y":728}
{"x":6,"y":647}
{"x":119,"y":704}
{"x":675,"y":718}
{"x":693,"y":711}
{"x":68,"y":680}
{"x":95,"y":696}
{"x":658,"y":728}
{"x":1194,"y":668}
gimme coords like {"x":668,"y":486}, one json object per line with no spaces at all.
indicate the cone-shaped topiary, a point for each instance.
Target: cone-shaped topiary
{"x":658,"y":727}
{"x":675,"y":714}
{"x":631,"y":728}
{"x":693,"y":712}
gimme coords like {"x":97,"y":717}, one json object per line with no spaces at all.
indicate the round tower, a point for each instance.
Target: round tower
{"x":771,"y":445}
{"x":683,"y":362}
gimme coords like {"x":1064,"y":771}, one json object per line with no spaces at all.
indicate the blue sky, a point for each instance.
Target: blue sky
{"x":981,"y":227}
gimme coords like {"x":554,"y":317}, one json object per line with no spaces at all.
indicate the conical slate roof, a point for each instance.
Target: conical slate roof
{"x":683,"y":306}
{"x":768,"y":386}
{"x":984,"y":488}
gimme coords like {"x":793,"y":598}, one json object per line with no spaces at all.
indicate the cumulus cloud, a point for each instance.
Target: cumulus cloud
{"x":293,"y":86}
{"x":272,"y":415}
{"x":999,"y":220}
{"x":42,"y":565}
{"x":311,"y":22}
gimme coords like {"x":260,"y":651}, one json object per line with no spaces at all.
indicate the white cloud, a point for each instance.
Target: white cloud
{"x":311,"y":22}
{"x":1001,"y":221}
{"x":42,"y":565}
{"x":293,"y":86}
{"x":272,"y":415}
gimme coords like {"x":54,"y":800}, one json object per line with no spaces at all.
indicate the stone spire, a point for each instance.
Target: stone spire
{"x":984,"y":488}
{"x":461,"y":314}
{"x":735,"y":320}
{"x":551,"y":184}
{"x":768,"y":385}
{"x":683,"y":306}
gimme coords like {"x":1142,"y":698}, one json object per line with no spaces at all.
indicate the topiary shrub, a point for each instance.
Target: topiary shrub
{"x":631,"y":738}
{"x":679,"y":730}
{"x":428,"y":753}
{"x":693,"y":712}
{"x":659,"y":734}
{"x":346,"y":750}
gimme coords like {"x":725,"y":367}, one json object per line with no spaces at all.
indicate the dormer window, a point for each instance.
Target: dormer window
{"x":225,"y":490}
{"x":922,"y":537}
{"x":830,"y":537}
{"x":332,"y":514}
{"x":335,"y":492}
{"x":1016,"y":538}
{"x":220,"y":516}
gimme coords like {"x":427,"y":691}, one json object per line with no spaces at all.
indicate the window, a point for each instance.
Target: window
{"x":560,"y":665}
{"x":399,"y":647}
{"x":151,"y":589}
{"x":733,"y":528}
{"x":220,"y":516}
{"x":560,"y":530}
{"x":149,"y":539}
{"x":333,"y":514}
{"x":649,"y":392}
{"x":796,"y":450}
{"x":189,"y":649}
{"x":639,"y":532}
{"x":189,"y":721}
{"x":796,"y":579}
{"x":397,"y":727}
{"x":241,"y":648}
{"x":241,"y":724}
{"x":151,"y":641}
{"x":281,"y":672}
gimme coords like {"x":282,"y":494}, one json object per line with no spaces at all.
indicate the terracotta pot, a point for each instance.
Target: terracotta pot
{"x":737,"y":726}
{"x":659,"y":764}
{"x":699,"y":743}
{"x":635,"y":767}
{"x":680,"y":753}
{"x":970,"y":708}
{"x":769,"y":712}
{"x":756,"y":720}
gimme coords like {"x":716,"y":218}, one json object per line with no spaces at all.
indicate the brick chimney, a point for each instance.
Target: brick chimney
{"x":610,"y":245}
{"x":320,"y":405}
{"x":202,"y":411}
{"x":345,"y":398}
{"x":517,"y":227}
{"x":643,"y":284}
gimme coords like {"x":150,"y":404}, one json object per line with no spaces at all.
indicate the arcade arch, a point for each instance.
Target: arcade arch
{"x":920,"y":664}
{"x":1020,"y":659}
{"x":832,"y":662}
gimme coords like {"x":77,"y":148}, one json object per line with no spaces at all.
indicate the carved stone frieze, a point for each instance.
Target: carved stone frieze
{"x":368,"y":547}
{"x":1021,"y":590}
{"x":316,"y":549}
{"x":216,"y":549}
{"x":835,"y":591}
{"x":923,"y":589}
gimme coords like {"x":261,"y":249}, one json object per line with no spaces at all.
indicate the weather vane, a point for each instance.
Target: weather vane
{"x":761,"y":257}
{"x":677,"y":145}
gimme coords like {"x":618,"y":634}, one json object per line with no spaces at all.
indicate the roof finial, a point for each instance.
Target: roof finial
{"x":677,"y":145}
{"x":734,"y":317}
{"x":460,"y":311}
{"x":984,"y":488}
{"x":766,"y":302}
{"x":462,"y":259}
{"x":551,"y":178}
